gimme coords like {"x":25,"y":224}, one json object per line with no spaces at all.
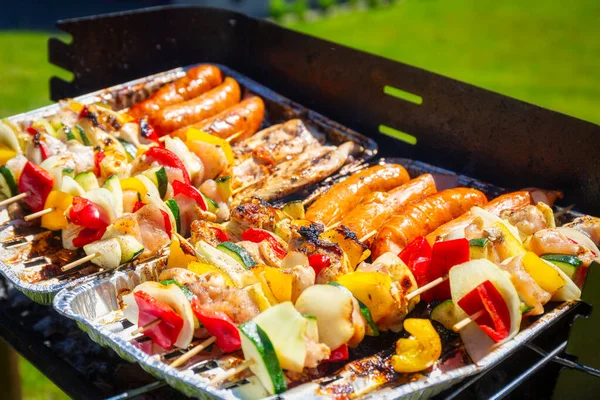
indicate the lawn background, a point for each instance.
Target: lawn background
{"x":546,"y":52}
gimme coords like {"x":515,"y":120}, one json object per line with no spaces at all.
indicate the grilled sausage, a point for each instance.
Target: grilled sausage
{"x":346,"y":195}
{"x":423,"y":216}
{"x":197,"y":81}
{"x":378,"y":207}
{"x":245,"y":117}
{"x":507,"y":201}
{"x":206,"y":105}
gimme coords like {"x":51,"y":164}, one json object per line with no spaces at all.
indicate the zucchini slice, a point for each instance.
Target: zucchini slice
{"x":130,"y":149}
{"x":208,"y":254}
{"x":130,"y":248}
{"x":108,"y":250}
{"x":445,"y":314}
{"x":158,"y":176}
{"x":224,"y":187}
{"x":567,"y":263}
{"x":83,"y":136}
{"x":70,"y":172}
{"x":113,"y":185}
{"x":172,"y":204}
{"x":237,"y":253}
{"x":87,"y":180}
{"x":295,"y":209}
{"x":8,"y":186}
{"x":478,"y":248}
{"x":211,"y":205}
{"x":257,"y":347}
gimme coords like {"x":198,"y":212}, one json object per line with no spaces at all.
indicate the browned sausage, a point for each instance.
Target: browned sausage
{"x":189,"y":112}
{"x":245,"y":117}
{"x":422,"y":217}
{"x":378,"y":207}
{"x":342,"y":197}
{"x":505,"y":202}
{"x":198,"y":80}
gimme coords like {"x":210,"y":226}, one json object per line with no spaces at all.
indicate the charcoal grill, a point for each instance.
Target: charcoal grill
{"x":444,"y":122}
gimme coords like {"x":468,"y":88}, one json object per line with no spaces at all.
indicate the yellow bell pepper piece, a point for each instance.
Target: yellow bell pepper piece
{"x":202,"y":268}
{"x":354,"y":249}
{"x":509,"y":245}
{"x":372,"y":289}
{"x":134,"y":184}
{"x":59,"y":202}
{"x":258,"y":296}
{"x":548,"y":278}
{"x":75,"y":106}
{"x":181,"y":253}
{"x":280,"y":283}
{"x":6,"y":154}
{"x":196,"y":134}
{"x":259,"y":273}
{"x":420,"y":351}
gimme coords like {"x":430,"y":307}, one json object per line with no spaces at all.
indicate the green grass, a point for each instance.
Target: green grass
{"x":25,"y":71}
{"x":546,"y":52}
{"x":36,"y":386}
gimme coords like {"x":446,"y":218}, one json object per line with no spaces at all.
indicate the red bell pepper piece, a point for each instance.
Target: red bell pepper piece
{"x":85,"y":112}
{"x":445,"y":255}
{"x":191,"y":192}
{"x":44,"y":151}
{"x":87,"y":236}
{"x":495,"y":322}
{"x":167,"y":158}
{"x":417,"y":256}
{"x":38,"y":183}
{"x":218,"y":324}
{"x":87,"y":214}
{"x":166,"y":332}
{"x":167,"y":222}
{"x":339,"y":354}
{"x":220,"y":234}
{"x":31,"y":131}
{"x":318,"y":262}
{"x":138,"y":204}
{"x":258,"y":235}
{"x":98,"y":157}
{"x":147,"y":131}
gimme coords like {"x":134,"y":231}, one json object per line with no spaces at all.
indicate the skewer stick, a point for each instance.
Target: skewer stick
{"x":461,"y":324}
{"x":13,"y":199}
{"x":229,"y":373}
{"x":185,"y":357}
{"x":246,"y":186}
{"x":426,"y":287}
{"x":333,"y":226}
{"x":149,"y":325}
{"x":368,"y":236}
{"x":38,"y":214}
{"x":234,"y":136}
{"x":77,"y":263}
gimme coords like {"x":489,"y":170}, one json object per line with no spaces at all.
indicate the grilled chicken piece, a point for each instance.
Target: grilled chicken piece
{"x":280,"y":142}
{"x":590,"y":226}
{"x":254,"y":213}
{"x":205,"y":231}
{"x":247,"y":169}
{"x":528,"y":219}
{"x":403,"y":282}
{"x":312,"y":166}
{"x":527,"y":288}
{"x":552,"y":241}
{"x":214,"y":295}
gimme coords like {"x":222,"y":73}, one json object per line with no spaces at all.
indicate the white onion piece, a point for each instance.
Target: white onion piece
{"x":489,"y":219}
{"x":581,"y":238}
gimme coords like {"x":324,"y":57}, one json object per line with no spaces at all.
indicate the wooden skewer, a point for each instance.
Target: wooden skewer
{"x":461,"y":324}
{"x":13,"y":199}
{"x":229,"y":373}
{"x":333,"y":226}
{"x":246,"y":186}
{"x":368,"y":235}
{"x":149,"y":325}
{"x":77,"y":263}
{"x":426,"y":287}
{"x":38,"y":214}
{"x":234,"y":136}
{"x":185,"y":357}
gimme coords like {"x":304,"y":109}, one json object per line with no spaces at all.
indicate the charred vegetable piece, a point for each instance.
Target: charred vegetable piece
{"x":445,"y":314}
{"x":295,"y":209}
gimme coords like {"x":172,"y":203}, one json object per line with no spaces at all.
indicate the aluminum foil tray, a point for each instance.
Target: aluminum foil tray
{"x":95,"y":307}
{"x":277,"y":109}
